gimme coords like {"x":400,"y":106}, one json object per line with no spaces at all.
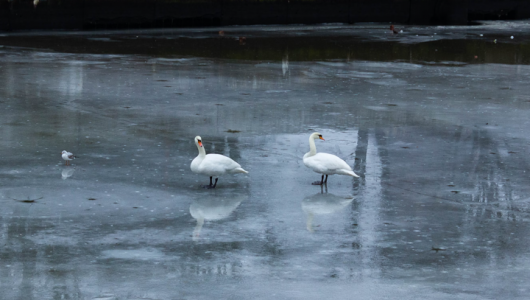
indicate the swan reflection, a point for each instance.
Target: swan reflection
{"x":213,"y":207}
{"x":285,"y":64}
{"x":322,"y":204}
{"x":67,"y":172}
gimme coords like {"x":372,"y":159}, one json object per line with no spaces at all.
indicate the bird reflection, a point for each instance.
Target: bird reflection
{"x":212,"y":207}
{"x":67,"y":172}
{"x":322,"y":204}
{"x":285,"y":64}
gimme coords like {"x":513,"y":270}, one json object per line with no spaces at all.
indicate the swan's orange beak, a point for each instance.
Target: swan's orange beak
{"x":320,"y":137}
{"x":200,"y":143}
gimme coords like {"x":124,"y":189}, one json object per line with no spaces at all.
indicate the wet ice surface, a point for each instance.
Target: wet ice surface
{"x":441,"y":209}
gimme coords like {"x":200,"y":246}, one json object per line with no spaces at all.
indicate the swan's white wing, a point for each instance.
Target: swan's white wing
{"x":216,"y":164}
{"x":326,"y":163}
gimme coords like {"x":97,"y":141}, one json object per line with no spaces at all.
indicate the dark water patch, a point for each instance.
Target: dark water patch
{"x":451,"y":52}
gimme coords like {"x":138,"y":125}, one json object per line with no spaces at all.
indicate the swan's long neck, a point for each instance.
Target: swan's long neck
{"x":312,"y":147}
{"x":202,"y":152}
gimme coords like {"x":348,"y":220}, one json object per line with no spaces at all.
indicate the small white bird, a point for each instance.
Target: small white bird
{"x":213,"y":165}
{"x":324,"y":163}
{"x":67,"y":156}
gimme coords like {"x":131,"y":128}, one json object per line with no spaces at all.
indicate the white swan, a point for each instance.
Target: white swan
{"x":324,"y":163}
{"x":213,"y":165}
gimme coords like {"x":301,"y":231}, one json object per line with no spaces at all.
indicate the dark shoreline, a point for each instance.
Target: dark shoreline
{"x":417,"y":44}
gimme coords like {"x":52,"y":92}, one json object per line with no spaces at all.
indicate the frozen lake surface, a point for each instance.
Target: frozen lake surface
{"x":441,"y":210}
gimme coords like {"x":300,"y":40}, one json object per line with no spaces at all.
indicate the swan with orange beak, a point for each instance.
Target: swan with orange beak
{"x":213,"y":165}
{"x":324,"y":163}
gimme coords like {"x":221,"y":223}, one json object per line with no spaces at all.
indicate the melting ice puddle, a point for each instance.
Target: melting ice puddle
{"x":137,"y":254}
{"x":377,"y":108}
{"x":12,"y":172}
{"x":278,"y":91}
{"x":388,"y":82}
{"x":105,"y":297}
{"x":368,"y":75}
{"x":268,"y":65}
{"x":332,"y":64}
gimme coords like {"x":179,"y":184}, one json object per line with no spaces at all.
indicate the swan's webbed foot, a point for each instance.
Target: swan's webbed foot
{"x":321,"y":182}
{"x":211,"y":186}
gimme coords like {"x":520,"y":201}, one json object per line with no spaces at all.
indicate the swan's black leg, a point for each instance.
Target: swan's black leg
{"x":326,"y":181}
{"x":210,"y":186}
{"x":213,"y":187}
{"x":319,"y":182}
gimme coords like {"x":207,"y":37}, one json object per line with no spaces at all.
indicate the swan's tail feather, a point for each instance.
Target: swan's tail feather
{"x":351,"y":173}
{"x":240,"y":170}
